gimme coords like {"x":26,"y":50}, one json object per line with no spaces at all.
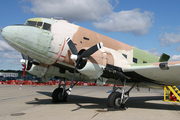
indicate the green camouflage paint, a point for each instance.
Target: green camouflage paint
{"x":141,"y":56}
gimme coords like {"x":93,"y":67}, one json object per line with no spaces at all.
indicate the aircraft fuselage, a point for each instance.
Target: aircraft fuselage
{"x":44,"y":40}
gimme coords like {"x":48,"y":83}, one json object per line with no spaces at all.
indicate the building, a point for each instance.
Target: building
{"x":5,"y":74}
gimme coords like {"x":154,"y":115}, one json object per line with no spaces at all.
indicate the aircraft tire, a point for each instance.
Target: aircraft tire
{"x":114,"y":100}
{"x":57,"y":95}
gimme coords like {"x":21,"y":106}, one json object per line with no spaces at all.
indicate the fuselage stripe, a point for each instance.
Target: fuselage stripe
{"x":60,"y":54}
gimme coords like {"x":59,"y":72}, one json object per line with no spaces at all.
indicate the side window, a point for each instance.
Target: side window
{"x":135,"y":60}
{"x":125,"y":55}
{"x":47,"y":26}
{"x":31,"y":23}
{"x":144,"y":61}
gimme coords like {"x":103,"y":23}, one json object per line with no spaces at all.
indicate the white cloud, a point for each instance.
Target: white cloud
{"x":167,"y":39}
{"x":72,"y":10}
{"x":98,"y":11}
{"x":154,"y":52}
{"x":11,"y":55}
{"x":175,"y":58}
{"x":133,"y":21}
{"x":178,"y":48}
{"x":4,"y":46}
{"x":14,"y":62}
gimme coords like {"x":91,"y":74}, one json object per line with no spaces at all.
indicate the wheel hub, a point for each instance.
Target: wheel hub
{"x":60,"y":96}
{"x":117,"y":102}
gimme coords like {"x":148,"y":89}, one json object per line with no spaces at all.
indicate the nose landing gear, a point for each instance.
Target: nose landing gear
{"x":60,"y":94}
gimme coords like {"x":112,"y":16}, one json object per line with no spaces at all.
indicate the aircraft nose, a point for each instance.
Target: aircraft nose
{"x":9,"y":33}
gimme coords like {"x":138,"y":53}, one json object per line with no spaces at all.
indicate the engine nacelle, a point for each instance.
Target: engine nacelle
{"x":94,"y":65}
{"x":46,"y":73}
{"x":92,"y":70}
{"x":38,"y":70}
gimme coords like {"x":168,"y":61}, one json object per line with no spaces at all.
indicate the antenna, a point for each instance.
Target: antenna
{"x":59,"y":18}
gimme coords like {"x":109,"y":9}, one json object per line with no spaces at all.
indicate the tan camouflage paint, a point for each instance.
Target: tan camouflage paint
{"x":111,"y":53}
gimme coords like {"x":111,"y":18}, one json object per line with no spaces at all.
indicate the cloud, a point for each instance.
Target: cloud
{"x":154,"y":52}
{"x":14,"y":62}
{"x":100,"y":12}
{"x":72,"y":10}
{"x":167,"y":39}
{"x":175,"y":58}
{"x":4,"y":46}
{"x":133,"y":21}
{"x":11,"y":55}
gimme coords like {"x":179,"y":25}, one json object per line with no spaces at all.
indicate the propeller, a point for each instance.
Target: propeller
{"x":80,"y":58}
{"x":30,"y":61}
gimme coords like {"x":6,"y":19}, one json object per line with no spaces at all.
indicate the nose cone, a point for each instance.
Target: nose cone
{"x":9,"y":33}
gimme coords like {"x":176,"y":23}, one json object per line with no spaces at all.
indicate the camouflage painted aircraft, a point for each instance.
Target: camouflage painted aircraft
{"x":57,"y":48}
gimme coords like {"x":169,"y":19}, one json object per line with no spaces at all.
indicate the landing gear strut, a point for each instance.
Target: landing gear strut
{"x":60,"y":94}
{"x":117,"y":100}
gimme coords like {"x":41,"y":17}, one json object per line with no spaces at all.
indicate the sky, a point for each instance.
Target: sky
{"x":150,"y":25}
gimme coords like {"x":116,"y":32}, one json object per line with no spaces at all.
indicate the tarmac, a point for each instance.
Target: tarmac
{"x":85,"y":103}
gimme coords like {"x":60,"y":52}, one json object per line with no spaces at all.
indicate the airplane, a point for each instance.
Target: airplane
{"x":57,"y":48}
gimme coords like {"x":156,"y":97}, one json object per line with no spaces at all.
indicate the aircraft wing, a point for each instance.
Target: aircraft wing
{"x":167,"y":73}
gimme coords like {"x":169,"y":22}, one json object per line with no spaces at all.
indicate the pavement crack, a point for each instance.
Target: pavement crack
{"x":95,"y":115}
{"x":21,"y":97}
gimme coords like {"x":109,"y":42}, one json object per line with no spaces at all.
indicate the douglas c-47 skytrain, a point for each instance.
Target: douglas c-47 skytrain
{"x":57,"y":48}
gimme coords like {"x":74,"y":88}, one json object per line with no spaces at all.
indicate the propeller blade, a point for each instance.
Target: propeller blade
{"x":72,"y":46}
{"x":24,"y":56}
{"x":92,"y":50}
{"x":71,"y":85}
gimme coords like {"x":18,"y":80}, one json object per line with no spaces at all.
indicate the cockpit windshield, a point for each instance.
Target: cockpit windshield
{"x":42,"y":25}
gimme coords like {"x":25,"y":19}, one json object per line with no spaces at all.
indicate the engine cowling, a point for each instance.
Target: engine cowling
{"x":40,"y":70}
{"x":94,"y":65}
{"x":46,"y":73}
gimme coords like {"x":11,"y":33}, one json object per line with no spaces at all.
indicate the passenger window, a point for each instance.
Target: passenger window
{"x":135,"y":60}
{"x":144,"y":62}
{"x":31,"y":23}
{"x":47,"y":26}
{"x":125,"y":55}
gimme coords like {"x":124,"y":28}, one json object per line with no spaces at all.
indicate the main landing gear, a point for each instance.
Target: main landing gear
{"x":60,"y":94}
{"x":117,"y":100}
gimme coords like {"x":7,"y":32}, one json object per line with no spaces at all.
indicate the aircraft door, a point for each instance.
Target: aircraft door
{"x":56,"y":44}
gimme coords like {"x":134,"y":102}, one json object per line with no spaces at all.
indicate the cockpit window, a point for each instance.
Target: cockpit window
{"x":39,"y":24}
{"x":31,"y":23}
{"x":47,"y":26}
{"x":34,"y":23}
